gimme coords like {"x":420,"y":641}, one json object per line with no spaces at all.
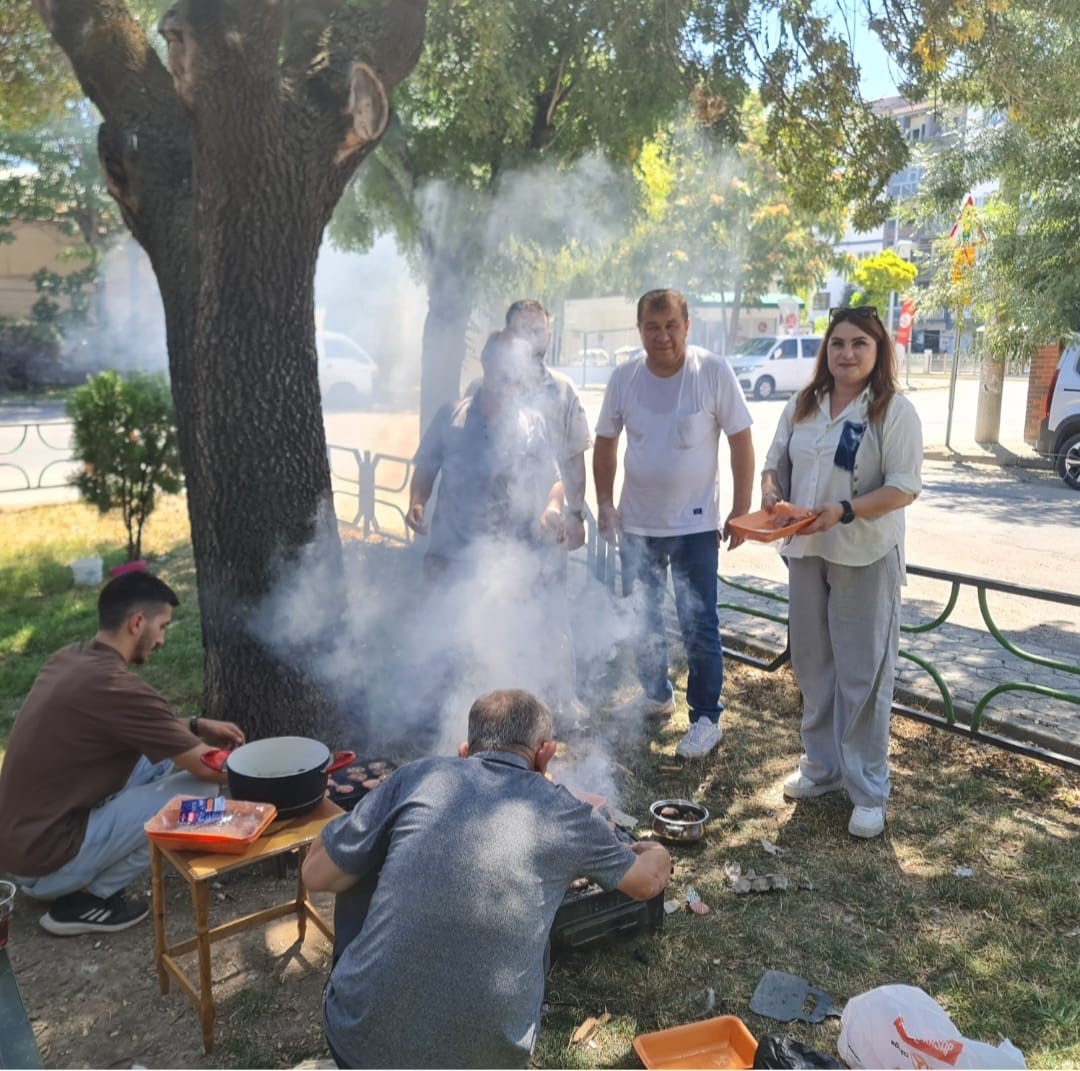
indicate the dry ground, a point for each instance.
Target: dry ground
{"x":998,"y":950}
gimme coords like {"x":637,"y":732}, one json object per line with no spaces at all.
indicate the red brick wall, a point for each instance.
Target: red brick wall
{"x":1042,"y":369}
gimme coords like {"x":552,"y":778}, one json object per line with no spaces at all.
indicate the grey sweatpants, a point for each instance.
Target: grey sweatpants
{"x":845,"y":634}
{"x":115,"y":849}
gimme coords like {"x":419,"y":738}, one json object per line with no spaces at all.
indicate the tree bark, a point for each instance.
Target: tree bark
{"x":227,"y":171}
{"x":450,"y":299}
{"x":733,"y":318}
{"x":988,"y":410}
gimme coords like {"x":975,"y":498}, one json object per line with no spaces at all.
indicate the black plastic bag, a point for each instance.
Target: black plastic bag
{"x":782,"y":1050}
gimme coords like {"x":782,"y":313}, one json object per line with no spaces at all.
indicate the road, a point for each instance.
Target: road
{"x":1015,"y":525}
{"x":1011,"y":524}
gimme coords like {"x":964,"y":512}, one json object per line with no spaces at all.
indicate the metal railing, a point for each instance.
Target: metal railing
{"x":370,"y":491}
{"x":369,"y":499}
{"x":29,"y":439}
{"x":947,"y":718}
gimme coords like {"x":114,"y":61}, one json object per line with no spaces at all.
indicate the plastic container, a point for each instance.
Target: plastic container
{"x":761,"y":525}
{"x":86,"y":571}
{"x":723,"y":1042}
{"x":243,"y":824}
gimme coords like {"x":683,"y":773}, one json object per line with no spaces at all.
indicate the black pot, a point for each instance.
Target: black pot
{"x":288,"y":771}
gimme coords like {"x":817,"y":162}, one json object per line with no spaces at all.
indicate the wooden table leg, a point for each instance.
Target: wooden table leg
{"x":200,"y":894}
{"x":301,"y":894}
{"x":157,"y":885}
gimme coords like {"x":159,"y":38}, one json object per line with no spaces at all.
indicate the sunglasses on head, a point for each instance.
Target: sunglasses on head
{"x":861,"y":311}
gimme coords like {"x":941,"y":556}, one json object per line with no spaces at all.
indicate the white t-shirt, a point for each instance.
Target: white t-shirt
{"x":888,"y":454}
{"x":673,"y":427}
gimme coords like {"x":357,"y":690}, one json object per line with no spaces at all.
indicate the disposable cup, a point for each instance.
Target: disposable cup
{"x":7,"y":906}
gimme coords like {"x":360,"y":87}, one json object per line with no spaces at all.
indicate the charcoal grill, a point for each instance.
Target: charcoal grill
{"x":340,"y":783}
{"x":590,"y":915}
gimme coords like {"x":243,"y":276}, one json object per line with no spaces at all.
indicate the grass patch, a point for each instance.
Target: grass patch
{"x":1000,"y":950}
{"x":41,"y":610}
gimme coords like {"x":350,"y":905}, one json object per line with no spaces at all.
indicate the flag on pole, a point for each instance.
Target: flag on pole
{"x":907,"y":317}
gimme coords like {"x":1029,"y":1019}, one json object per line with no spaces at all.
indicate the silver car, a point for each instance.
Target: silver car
{"x":775,"y":364}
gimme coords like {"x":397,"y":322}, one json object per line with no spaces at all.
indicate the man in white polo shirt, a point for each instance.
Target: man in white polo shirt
{"x":674,"y":403}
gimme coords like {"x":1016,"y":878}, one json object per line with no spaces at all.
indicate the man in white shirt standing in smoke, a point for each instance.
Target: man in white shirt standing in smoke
{"x":557,"y":402}
{"x":555,"y":399}
{"x":674,"y":403}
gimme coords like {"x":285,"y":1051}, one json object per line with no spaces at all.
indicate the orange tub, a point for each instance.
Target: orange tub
{"x":723,"y":1042}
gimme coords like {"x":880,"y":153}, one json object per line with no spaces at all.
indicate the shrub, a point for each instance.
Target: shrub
{"x":125,"y":435}
{"x":29,"y":356}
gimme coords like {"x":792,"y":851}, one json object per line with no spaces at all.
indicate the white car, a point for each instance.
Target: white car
{"x":775,"y":364}
{"x":346,"y":370}
{"x":1059,"y":429}
{"x":587,"y":368}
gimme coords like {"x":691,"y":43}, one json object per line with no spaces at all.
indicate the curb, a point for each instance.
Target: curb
{"x":1005,"y":460}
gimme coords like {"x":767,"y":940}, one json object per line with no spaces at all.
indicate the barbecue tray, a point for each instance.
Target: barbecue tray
{"x":593,"y":915}
{"x":354,"y":790}
{"x":589,"y":915}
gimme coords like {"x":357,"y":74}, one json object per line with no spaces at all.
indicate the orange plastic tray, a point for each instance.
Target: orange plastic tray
{"x":760,"y":525}
{"x":720,"y":1042}
{"x":244,"y":823}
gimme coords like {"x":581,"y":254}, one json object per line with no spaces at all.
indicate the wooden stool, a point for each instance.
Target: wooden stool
{"x":287,"y":835}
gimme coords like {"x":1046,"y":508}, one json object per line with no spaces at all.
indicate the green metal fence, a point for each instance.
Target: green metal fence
{"x":370,"y":493}
{"x":946,"y":716}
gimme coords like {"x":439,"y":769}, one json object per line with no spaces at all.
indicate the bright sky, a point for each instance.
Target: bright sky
{"x":876,"y":71}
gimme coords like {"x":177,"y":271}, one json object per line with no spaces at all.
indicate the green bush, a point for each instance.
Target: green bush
{"x":125,"y":435}
{"x":29,"y":356}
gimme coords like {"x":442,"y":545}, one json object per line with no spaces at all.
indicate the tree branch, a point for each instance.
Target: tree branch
{"x":111,"y":57}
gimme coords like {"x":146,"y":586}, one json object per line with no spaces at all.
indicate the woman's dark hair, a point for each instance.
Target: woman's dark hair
{"x":125,"y":594}
{"x":883,"y":380}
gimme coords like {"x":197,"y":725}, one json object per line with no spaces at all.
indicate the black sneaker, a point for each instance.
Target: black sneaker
{"x":82,"y":912}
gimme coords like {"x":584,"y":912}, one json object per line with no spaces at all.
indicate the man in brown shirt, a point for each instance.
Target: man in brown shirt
{"x":94,"y":753}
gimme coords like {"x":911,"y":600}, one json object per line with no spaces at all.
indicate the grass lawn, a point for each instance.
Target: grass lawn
{"x":1000,"y":950}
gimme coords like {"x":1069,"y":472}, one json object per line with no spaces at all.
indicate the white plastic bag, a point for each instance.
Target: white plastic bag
{"x":900,"y":1026}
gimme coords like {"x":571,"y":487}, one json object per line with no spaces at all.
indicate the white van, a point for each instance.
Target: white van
{"x":346,"y":371}
{"x":775,"y":364}
{"x":1059,"y":429}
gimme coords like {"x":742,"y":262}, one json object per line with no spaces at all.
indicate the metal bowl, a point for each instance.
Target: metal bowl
{"x":686,"y":828}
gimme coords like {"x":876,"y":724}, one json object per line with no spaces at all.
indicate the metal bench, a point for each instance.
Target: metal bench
{"x":17,"y":1045}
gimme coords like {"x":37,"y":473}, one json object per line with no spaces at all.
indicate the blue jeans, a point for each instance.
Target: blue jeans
{"x":693,"y":560}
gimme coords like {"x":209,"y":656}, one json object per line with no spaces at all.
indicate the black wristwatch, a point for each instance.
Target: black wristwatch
{"x":848,"y":514}
{"x":193,"y":725}
{"x":580,"y":514}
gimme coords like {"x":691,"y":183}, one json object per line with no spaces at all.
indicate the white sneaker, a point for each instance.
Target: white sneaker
{"x":799,"y":787}
{"x":866,"y":821}
{"x":702,"y":736}
{"x":644,"y":707}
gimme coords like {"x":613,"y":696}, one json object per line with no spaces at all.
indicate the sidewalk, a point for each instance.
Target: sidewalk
{"x":969,"y":659}
{"x":930,"y":395}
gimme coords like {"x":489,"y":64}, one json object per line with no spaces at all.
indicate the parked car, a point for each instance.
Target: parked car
{"x":1059,"y":429}
{"x":346,"y":371}
{"x":775,"y":364}
{"x":588,"y":368}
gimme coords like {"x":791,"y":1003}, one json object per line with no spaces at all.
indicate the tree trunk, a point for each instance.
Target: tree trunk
{"x":988,"y":411}
{"x":227,"y":172}
{"x":733,"y":319}
{"x":450,"y":292}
